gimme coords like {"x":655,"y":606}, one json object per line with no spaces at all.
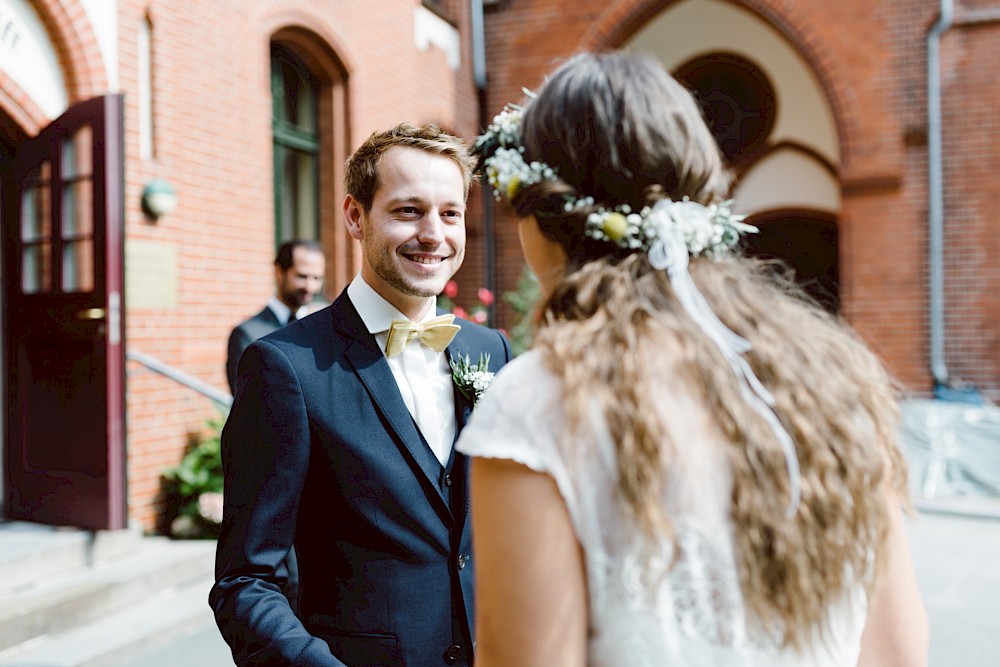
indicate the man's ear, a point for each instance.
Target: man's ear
{"x":353,"y":213}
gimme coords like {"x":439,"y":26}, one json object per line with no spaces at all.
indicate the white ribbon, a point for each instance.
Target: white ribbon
{"x":670,"y":253}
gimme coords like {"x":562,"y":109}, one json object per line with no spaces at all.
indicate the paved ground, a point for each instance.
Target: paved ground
{"x":958,"y":565}
{"x":201,"y":648}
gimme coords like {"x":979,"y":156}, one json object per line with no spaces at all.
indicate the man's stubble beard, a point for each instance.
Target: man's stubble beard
{"x":389,"y":272}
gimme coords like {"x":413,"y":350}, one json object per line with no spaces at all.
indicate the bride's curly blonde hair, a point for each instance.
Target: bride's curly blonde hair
{"x":617,"y":128}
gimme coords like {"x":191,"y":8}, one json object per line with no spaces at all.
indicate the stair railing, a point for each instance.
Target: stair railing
{"x":223,"y":399}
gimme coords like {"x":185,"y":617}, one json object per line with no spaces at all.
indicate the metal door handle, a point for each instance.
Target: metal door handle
{"x":91,"y":314}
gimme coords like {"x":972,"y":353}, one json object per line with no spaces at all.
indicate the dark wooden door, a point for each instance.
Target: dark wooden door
{"x":63,"y":247}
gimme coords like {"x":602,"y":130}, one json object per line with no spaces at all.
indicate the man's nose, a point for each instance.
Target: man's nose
{"x":431,"y":229}
{"x":313,"y":285}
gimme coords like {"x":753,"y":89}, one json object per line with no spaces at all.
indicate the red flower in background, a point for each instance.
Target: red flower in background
{"x":478,"y":312}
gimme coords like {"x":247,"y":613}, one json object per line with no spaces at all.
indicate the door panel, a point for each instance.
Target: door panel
{"x":65,"y":394}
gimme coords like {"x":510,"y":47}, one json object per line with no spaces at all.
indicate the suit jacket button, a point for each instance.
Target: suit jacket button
{"x":447,"y":480}
{"x":453,"y":654}
{"x":462,"y":560}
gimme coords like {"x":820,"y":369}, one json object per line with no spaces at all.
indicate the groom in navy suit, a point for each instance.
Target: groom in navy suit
{"x":339,"y":442}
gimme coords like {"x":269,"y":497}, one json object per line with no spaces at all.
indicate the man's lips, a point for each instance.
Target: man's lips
{"x":424,"y":259}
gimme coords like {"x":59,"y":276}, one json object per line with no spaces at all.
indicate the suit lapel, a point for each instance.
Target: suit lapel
{"x":373,"y":371}
{"x":459,"y":348}
{"x":267,"y":316}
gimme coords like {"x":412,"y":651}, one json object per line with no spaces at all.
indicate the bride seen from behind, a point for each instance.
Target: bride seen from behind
{"x":694,"y":465}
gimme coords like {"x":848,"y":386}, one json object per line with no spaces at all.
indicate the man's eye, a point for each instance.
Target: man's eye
{"x":409,"y":210}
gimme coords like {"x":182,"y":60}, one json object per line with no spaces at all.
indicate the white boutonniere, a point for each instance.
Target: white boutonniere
{"x":472,"y":379}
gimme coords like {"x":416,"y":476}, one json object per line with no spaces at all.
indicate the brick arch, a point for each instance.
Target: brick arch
{"x":316,"y":52}
{"x":16,"y":104}
{"x":623,"y":19}
{"x":297,"y":22}
{"x":310,"y":34}
{"x":76,"y":47}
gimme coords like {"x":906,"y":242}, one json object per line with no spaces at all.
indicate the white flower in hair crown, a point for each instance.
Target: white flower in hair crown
{"x":708,"y":231}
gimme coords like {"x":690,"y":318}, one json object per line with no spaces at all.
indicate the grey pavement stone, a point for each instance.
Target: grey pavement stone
{"x":203,"y":647}
{"x":957,"y":560}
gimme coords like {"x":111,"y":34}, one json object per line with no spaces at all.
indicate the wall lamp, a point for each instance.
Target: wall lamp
{"x":158,"y":199}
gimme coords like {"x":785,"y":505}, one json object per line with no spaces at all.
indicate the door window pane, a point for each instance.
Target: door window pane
{"x":36,"y":205}
{"x":78,"y":210}
{"x":36,"y":268}
{"x":36,"y":230}
{"x":76,"y":227}
{"x":78,"y":266}
{"x":78,"y":154}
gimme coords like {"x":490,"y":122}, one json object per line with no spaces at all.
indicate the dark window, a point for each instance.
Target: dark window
{"x":296,"y":147}
{"x":807,"y":244}
{"x":737,"y":100}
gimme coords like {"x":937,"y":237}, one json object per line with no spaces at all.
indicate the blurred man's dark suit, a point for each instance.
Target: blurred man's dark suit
{"x":245,"y":333}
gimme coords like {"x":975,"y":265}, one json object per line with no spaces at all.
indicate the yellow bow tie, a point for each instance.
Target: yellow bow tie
{"x":435,"y":334}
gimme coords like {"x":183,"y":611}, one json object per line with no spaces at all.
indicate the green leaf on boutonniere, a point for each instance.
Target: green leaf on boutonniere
{"x":472,"y":379}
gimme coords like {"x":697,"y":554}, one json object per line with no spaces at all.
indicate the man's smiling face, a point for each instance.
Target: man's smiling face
{"x":413,"y":238}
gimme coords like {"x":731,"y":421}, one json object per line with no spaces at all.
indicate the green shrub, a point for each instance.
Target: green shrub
{"x":523,"y":301}
{"x":194,"y":487}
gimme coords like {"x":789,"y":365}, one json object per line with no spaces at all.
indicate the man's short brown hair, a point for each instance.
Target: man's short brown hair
{"x":361,"y":179}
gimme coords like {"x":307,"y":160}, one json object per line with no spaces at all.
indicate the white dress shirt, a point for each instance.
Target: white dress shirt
{"x":283,"y":312}
{"x":422,"y":375}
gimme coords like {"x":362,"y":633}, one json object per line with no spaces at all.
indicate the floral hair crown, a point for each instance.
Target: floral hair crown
{"x":708,"y":231}
{"x":670,"y":233}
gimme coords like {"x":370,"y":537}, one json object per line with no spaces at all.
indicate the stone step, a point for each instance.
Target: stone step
{"x":153,"y":626}
{"x":201,"y":646}
{"x":30,"y":552}
{"x":104,"y":587}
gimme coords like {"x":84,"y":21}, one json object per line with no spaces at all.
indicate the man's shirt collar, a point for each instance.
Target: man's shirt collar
{"x":375,"y":311}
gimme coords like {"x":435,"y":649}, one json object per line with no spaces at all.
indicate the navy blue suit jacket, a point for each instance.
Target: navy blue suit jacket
{"x":320,"y":452}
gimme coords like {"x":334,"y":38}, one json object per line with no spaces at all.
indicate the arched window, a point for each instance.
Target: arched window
{"x":737,"y":99}
{"x":296,"y":146}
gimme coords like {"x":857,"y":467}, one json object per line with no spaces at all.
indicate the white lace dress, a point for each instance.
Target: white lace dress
{"x":691,"y":615}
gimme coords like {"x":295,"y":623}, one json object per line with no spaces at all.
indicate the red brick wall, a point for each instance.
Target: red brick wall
{"x":871,"y":60}
{"x":212,"y":116}
{"x":971,"y":144}
{"x":213,"y":144}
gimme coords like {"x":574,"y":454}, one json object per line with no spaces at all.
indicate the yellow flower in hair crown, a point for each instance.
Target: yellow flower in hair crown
{"x":614,"y":225}
{"x":504,"y":163}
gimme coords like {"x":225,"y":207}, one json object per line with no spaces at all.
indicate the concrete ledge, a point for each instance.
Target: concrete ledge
{"x":975,"y":507}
